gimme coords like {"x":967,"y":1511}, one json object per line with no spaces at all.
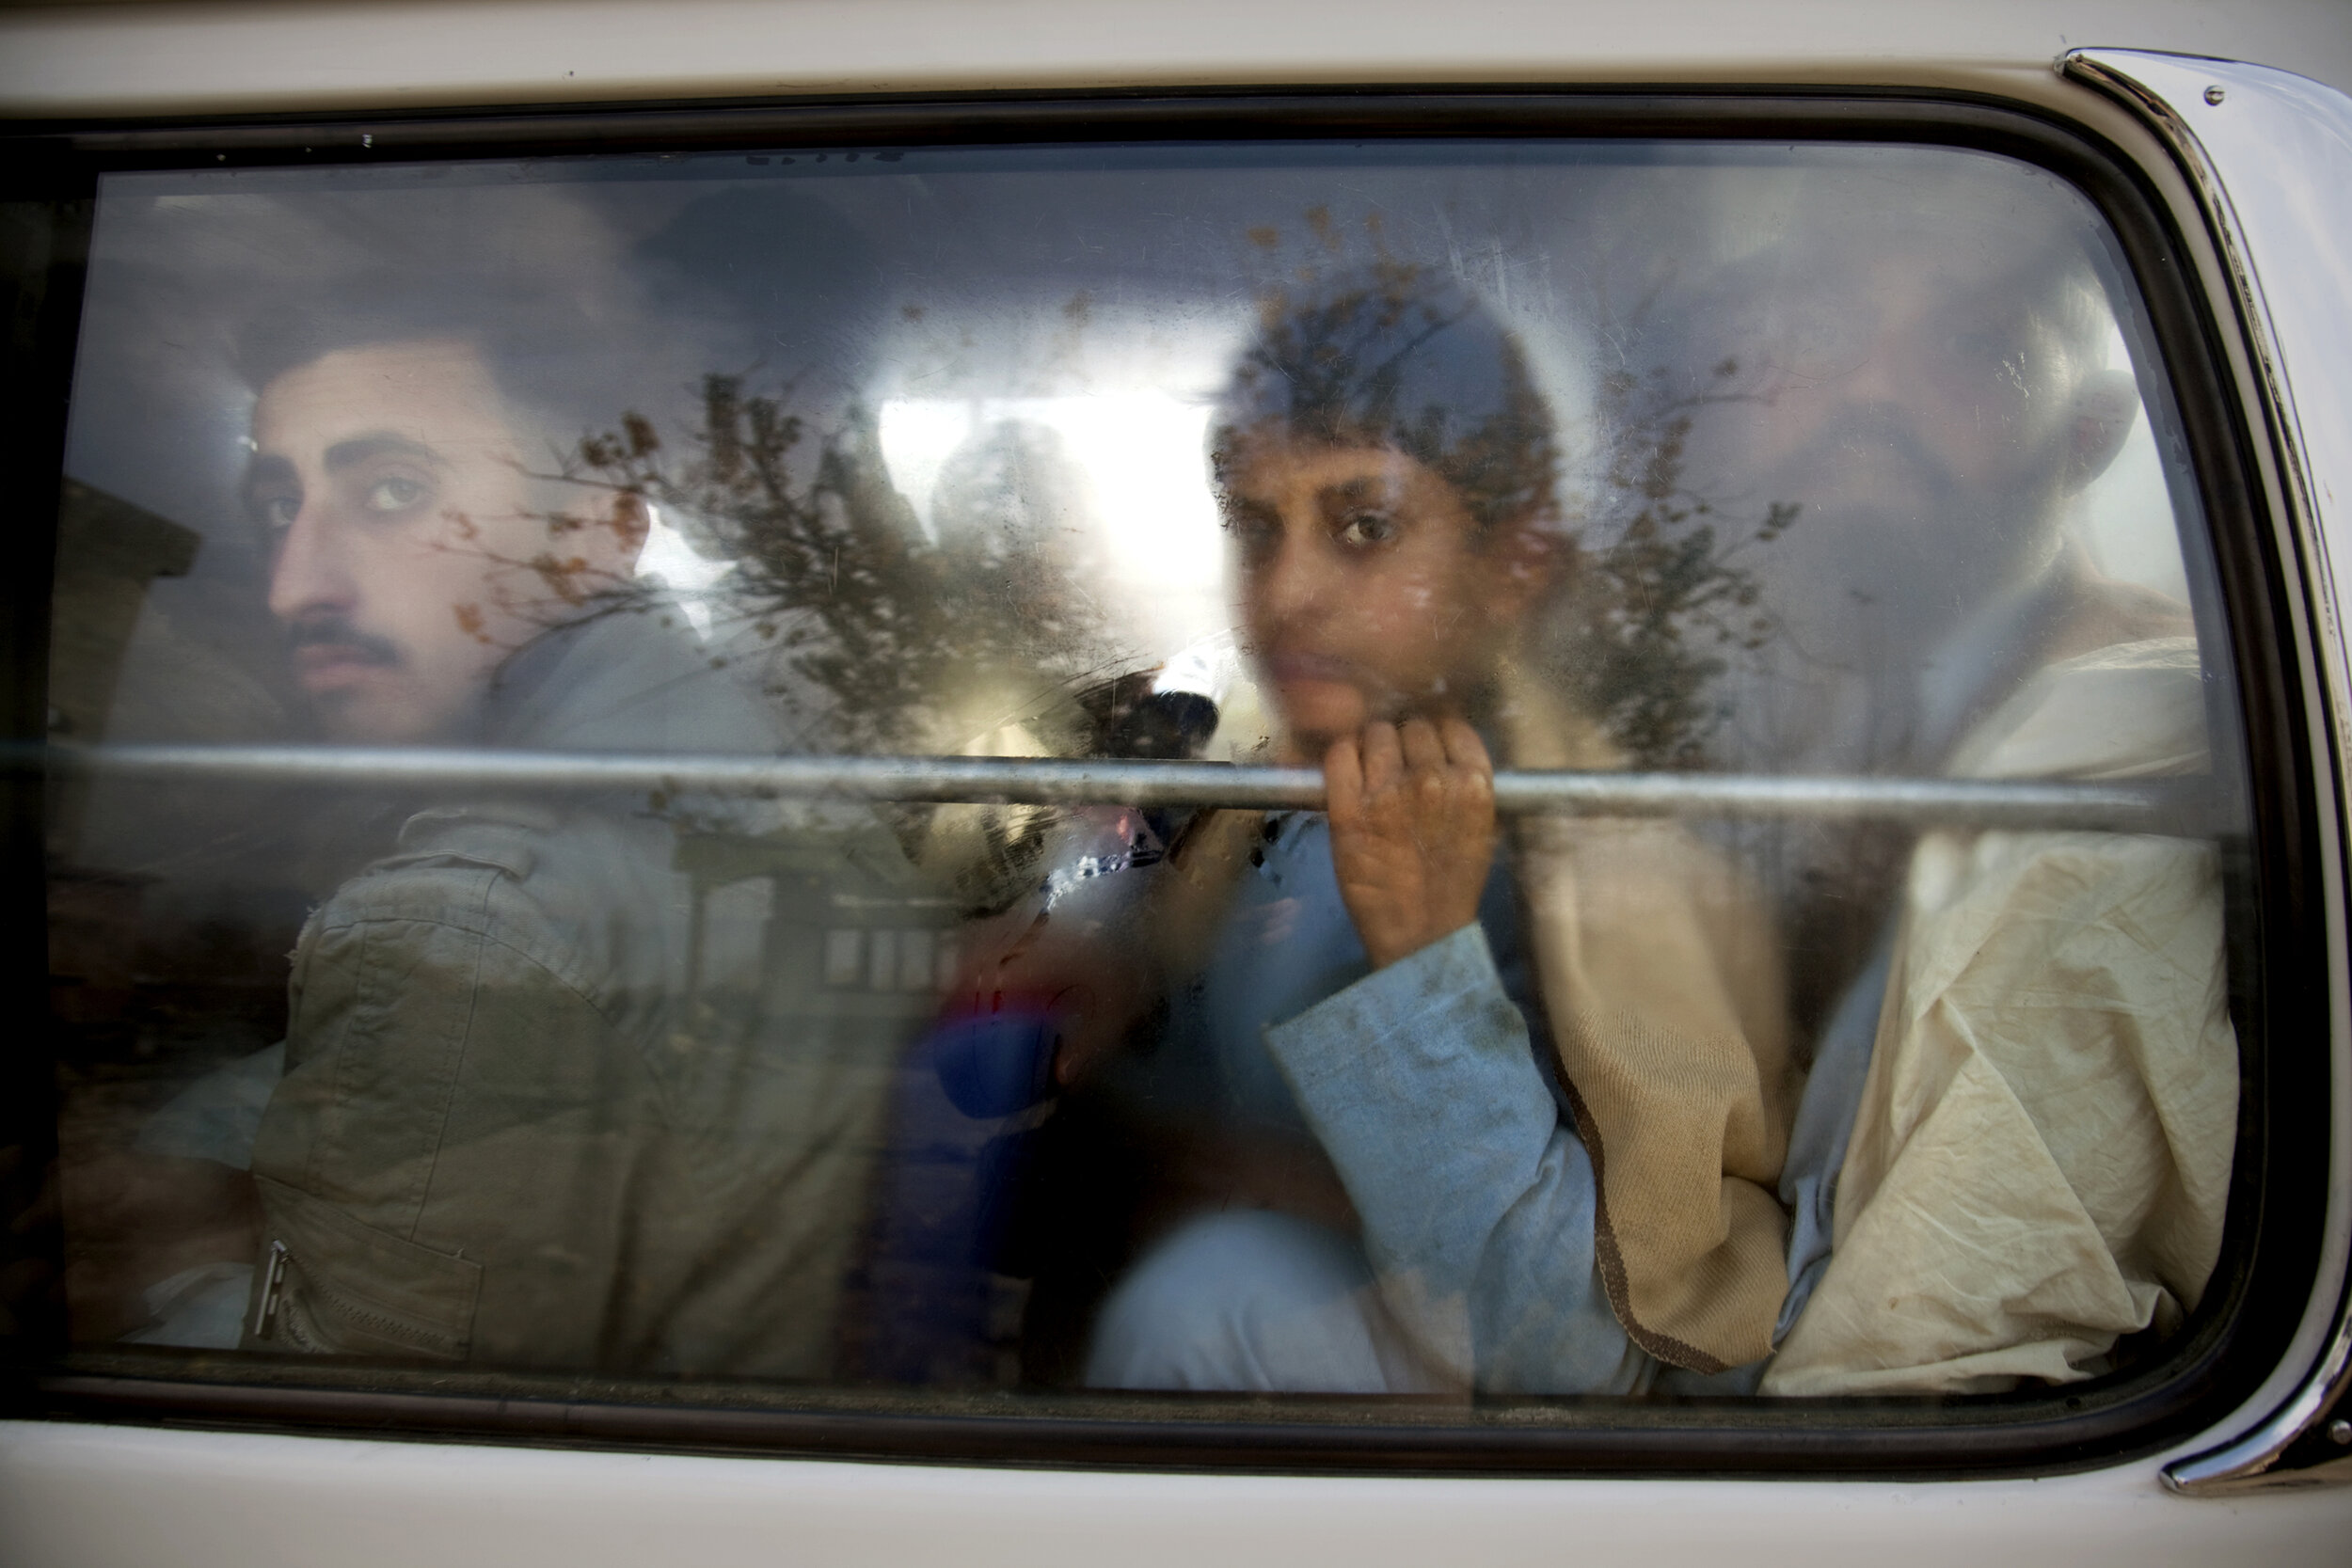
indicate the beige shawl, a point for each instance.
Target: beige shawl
{"x":1660,"y":975}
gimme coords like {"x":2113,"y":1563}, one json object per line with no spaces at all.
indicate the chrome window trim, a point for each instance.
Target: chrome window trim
{"x":2268,"y":154}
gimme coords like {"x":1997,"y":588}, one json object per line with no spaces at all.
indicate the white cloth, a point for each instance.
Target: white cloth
{"x":2041,"y":1157}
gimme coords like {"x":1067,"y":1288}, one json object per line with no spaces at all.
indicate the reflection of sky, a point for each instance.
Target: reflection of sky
{"x":2124,"y":519}
{"x":1097,"y":294}
{"x":1158,"y":553}
{"x":668,"y":559}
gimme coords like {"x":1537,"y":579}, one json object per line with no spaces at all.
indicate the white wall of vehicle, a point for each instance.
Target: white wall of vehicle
{"x":84,"y":1496}
{"x":2269,"y":145}
{"x":203,"y":57}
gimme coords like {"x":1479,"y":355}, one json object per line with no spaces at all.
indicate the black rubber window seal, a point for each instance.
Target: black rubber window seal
{"x":2277,"y":1199}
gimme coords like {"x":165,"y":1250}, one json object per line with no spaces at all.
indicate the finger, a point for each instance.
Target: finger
{"x":1343,"y":780}
{"x":1463,"y":747}
{"x":1383,"y":757}
{"x":1423,"y":752}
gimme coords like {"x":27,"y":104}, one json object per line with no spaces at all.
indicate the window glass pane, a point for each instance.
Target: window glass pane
{"x":534,"y":898}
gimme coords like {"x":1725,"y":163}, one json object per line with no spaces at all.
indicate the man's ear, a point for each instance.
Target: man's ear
{"x":2105,"y":406}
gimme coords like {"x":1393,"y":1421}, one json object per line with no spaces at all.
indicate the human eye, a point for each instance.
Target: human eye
{"x":272,"y":495}
{"x":274,"y":509}
{"x":391,"y":493}
{"x":1365,"y":527}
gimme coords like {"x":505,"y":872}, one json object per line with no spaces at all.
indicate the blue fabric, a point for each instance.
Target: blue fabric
{"x":214,"y":1118}
{"x":1424,"y":1087}
{"x":1258,"y":1301}
{"x":948,"y":1175}
{"x":1825,"y":1118}
{"x":996,"y":1063}
{"x":198,"y":1308}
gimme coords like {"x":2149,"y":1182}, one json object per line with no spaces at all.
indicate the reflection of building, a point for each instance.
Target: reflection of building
{"x":153,"y":873}
{"x":108,"y":551}
{"x":1017,"y":519}
{"x":170,"y":909}
{"x":1150,"y":549}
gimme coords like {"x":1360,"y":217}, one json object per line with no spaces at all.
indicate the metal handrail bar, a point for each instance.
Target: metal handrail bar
{"x":2172,"y":805}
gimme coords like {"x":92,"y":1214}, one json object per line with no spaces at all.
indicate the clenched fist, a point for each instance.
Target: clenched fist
{"x":1412,"y":809}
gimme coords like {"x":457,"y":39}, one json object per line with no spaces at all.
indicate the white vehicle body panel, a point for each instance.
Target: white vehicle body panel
{"x":87,"y":1495}
{"x":2263,"y":143}
{"x":242,"y":58}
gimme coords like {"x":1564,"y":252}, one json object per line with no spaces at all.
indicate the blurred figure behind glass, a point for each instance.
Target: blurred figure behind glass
{"x":1394,"y":1058}
{"x":2014,"y":1145}
{"x":506,"y":1053}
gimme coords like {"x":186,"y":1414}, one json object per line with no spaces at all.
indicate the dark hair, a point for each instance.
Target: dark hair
{"x":1391,"y":357}
{"x":797,"y":285}
{"x":535,"y":344}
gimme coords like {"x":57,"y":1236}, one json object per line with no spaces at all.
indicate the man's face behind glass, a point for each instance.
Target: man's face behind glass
{"x":1927,"y":412}
{"x":393,"y":491}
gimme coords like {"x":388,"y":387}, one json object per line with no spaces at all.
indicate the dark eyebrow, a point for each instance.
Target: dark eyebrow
{"x":382,"y":443}
{"x":1364,"y":488}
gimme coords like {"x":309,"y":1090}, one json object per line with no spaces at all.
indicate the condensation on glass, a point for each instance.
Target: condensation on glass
{"x":1402,"y":463}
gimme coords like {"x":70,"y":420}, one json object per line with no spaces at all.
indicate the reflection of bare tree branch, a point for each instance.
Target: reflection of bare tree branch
{"x":912,"y":641}
{"x":1649,"y":613}
{"x":547,"y":588}
{"x":932,"y":641}
{"x":915,"y":643}
{"x":976,"y":636}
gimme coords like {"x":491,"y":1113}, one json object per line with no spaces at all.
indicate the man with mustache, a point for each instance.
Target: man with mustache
{"x":410,"y":549}
{"x":528,"y":1117}
{"x":2014,"y":1145}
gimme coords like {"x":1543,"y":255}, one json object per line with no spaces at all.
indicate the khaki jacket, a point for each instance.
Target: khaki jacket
{"x":542,"y":1106}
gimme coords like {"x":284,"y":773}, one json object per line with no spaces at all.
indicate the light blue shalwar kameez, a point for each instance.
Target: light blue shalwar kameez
{"x":1474,"y":1267}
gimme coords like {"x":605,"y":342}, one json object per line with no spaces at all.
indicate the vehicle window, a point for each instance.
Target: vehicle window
{"x":1466,"y":771}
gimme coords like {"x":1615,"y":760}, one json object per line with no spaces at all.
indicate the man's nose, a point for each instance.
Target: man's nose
{"x":1290,"y":582}
{"x":311,"y":573}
